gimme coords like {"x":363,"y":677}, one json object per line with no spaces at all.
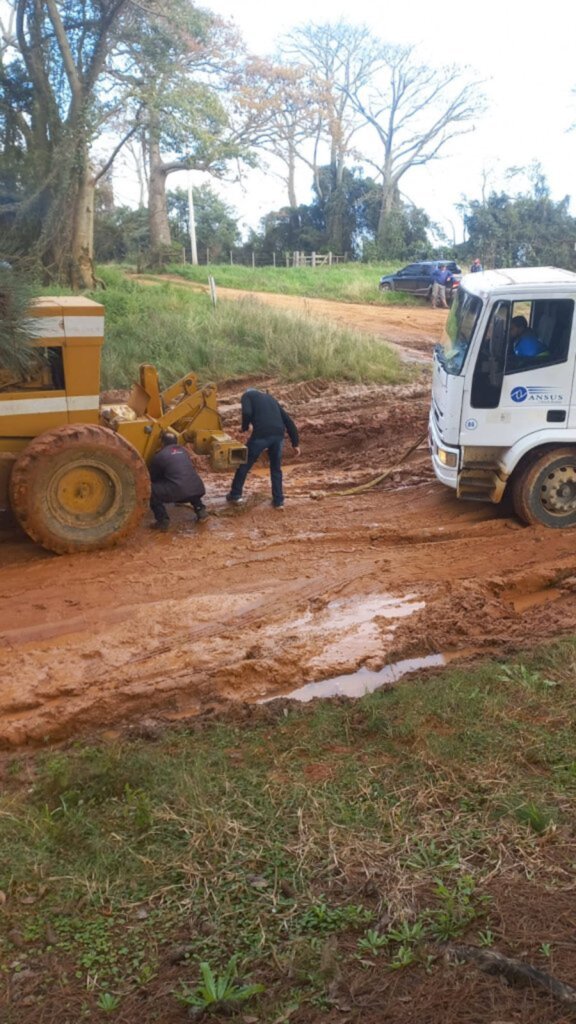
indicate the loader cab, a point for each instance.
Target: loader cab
{"x":63,"y":385}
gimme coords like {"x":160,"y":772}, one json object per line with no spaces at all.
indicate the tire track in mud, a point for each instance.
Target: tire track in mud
{"x":254,"y":603}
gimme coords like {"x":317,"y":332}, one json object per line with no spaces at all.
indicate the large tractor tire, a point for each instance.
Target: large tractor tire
{"x":78,"y":488}
{"x":544,"y":491}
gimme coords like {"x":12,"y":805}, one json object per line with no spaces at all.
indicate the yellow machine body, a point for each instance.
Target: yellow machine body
{"x":65,"y":389}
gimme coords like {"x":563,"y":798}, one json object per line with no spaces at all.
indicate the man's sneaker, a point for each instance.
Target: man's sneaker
{"x":201,"y":514}
{"x":278,"y":506}
{"x":161,"y":525}
{"x":233,"y":499}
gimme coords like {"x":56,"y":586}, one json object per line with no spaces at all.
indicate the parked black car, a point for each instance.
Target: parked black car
{"x":416,"y":278}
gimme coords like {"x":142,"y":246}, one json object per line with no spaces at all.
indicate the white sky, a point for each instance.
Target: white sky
{"x":524,"y":50}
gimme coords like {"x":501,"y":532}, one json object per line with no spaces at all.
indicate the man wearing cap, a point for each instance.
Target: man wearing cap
{"x":269,"y":423}
{"x":174,"y":479}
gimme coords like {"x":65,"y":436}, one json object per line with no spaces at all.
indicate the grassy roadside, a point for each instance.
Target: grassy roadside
{"x":178,"y":330}
{"x":350,"y":282}
{"x":324,"y":854}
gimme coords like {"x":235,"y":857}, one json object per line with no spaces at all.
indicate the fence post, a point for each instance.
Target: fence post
{"x":274,"y":258}
{"x":207,"y":255}
{"x":287,"y":259}
{"x":253,"y":260}
{"x":329,"y":259}
{"x":231,"y":258}
{"x":313,"y":260}
{"x":212,"y":284}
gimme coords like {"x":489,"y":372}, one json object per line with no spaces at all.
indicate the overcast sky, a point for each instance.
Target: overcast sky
{"x":523,"y":51}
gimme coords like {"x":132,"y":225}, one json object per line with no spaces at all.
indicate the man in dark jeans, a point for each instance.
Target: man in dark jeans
{"x":174,"y":479}
{"x":269,"y":422}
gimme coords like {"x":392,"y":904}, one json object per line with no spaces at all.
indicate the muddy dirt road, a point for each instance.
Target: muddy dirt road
{"x":256,"y":603}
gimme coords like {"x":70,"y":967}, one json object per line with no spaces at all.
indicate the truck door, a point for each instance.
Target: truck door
{"x":508,"y":395}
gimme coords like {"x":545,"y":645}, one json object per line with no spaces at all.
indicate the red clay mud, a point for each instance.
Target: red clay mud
{"x":256,"y":603}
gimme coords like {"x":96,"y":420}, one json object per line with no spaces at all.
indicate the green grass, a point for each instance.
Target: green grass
{"x":321,"y":840}
{"x":178,"y":331}
{"x":349,"y":282}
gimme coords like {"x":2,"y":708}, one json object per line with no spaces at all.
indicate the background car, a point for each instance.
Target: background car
{"x":416,"y":278}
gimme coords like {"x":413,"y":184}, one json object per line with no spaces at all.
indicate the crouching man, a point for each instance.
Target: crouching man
{"x":174,"y":479}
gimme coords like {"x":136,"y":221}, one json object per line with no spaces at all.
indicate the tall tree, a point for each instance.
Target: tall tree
{"x":415,"y":111}
{"x":341,"y":59}
{"x":183,"y":67}
{"x":53,"y":62}
{"x":283,"y":100}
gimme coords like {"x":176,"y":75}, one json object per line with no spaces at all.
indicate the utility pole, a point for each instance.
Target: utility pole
{"x":192,"y":223}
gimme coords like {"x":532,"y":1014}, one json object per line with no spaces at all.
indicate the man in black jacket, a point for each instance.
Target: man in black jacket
{"x":174,"y":479}
{"x":269,"y":422}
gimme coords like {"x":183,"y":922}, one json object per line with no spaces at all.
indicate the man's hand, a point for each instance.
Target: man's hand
{"x":296,"y":448}
{"x":244,"y":435}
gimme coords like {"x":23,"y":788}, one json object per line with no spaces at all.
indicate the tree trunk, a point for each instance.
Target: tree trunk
{"x":390,"y":200}
{"x":82,"y":266}
{"x":157,"y":205}
{"x":65,"y":246}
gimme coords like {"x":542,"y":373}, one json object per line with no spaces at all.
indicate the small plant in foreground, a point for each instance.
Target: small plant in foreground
{"x":526,"y":677}
{"x":545,"y":949}
{"x":407,"y":933}
{"x":108,"y":1003}
{"x":486,"y":937}
{"x":217,"y":991}
{"x":372,"y":942}
{"x":322,"y":918}
{"x":538,"y":819}
{"x":457,"y":908}
{"x":432,"y":855}
{"x":403,"y":957}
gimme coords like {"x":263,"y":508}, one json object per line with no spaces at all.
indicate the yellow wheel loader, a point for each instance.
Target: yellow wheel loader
{"x":73,"y":471}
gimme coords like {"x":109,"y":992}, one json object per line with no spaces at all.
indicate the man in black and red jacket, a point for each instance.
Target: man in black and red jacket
{"x":174,"y":479}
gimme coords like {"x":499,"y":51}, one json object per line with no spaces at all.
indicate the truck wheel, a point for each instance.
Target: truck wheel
{"x":79,"y":487}
{"x":545,"y":492}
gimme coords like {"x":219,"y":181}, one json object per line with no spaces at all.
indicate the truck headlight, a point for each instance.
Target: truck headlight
{"x":449,"y":459}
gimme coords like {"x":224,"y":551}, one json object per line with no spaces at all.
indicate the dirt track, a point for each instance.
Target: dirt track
{"x":412,"y":328}
{"x":256,"y":603}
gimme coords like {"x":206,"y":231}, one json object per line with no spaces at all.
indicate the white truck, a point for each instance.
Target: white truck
{"x":503,"y":413}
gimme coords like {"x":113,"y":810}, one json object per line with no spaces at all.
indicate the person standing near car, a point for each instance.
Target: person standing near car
{"x":476,"y":267}
{"x":269,"y":422}
{"x":441,"y":278}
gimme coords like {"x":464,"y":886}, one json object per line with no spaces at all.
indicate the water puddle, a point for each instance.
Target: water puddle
{"x":358,"y":684}
{"x":351,"y":628}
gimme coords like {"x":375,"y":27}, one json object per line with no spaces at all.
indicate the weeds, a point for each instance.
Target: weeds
{"x":218,"y":991}
{"x":108,"y":1003}
{"x":178,"y":330}
{"x":535,"y":817}
{"x":118,"y":861}
{"x":373,"y":942}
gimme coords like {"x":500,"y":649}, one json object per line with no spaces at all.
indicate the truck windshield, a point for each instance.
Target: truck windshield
{"x":459,"y":331}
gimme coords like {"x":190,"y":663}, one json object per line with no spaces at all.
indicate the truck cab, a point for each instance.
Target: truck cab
{"x":503,"y":410}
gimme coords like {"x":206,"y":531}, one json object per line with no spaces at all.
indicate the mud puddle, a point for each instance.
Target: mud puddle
{"x":358,"y":684}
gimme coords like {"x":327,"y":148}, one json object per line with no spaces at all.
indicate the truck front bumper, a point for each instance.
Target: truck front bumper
{"x":445,"y":460}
